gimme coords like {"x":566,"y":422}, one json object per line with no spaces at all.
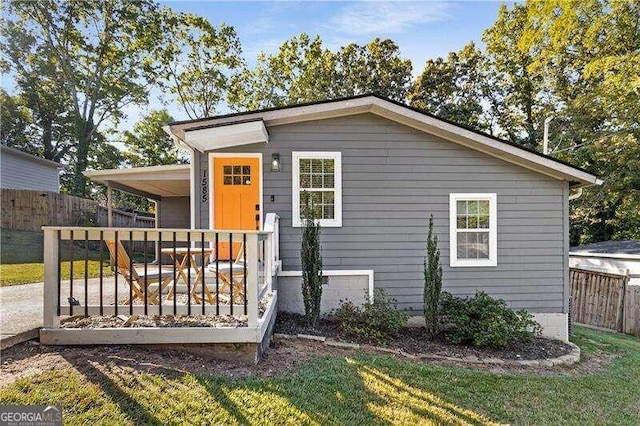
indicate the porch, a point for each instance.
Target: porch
{"x":152,"y":273}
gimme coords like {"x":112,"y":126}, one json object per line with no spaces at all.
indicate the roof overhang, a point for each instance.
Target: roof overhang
{"x":190,"y":132}
{"x":207,"y":138}
{"x":152,"y":182}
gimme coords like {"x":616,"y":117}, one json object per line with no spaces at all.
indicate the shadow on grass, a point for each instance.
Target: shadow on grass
{"x":327,"y":390}
{"x":338,"y":391}
{"x":113,"y":387}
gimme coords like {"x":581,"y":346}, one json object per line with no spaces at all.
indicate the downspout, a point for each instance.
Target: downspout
{"x":157,"y":208}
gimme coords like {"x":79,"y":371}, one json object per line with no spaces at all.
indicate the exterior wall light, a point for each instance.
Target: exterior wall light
{"x":275,"y":162}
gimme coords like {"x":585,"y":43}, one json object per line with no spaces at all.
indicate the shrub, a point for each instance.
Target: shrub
{"x":311,"y":263}
{"x":373,"y":321}
{"x":483,"y":321}
{"x":432,"y":283}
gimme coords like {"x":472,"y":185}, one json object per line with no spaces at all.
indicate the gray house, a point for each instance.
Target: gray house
{"x":378,"y":170}
{"x":19,"y":170}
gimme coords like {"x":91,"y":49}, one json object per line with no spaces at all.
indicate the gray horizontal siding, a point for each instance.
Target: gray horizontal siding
{"x":17,"y":172}
{"x":393,"y":178}
{"x":174,"y":212}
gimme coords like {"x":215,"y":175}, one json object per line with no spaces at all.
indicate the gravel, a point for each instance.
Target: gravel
{"x":196,"y":320}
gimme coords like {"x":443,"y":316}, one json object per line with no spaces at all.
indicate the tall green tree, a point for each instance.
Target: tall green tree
{"x":376,"y":67}
{"x":200,"y":62}
{"x":148,"y":144}
{"x":588,"y":55}
{"x":454,"y":88}
{"x":303,"y":70}
{"x":36,"y":119}
{"x":101,"y":55}
{"x":518,"y":99}
{"x":16,"y":123}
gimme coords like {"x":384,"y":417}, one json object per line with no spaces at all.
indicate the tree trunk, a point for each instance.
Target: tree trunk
{"x":47,"y":138}
{"x":83,"y":132}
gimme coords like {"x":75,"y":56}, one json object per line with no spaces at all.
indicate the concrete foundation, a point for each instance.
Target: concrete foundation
{"x":336,"y":288}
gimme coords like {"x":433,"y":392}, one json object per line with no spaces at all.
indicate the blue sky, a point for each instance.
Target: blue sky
{"x":423,"y":30}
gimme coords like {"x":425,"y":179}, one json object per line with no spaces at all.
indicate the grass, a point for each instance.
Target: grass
{"x":23,"y":273}
{"x":352,"y":389}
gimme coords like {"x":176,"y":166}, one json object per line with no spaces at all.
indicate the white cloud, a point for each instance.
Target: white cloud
{"x":364,"y":18}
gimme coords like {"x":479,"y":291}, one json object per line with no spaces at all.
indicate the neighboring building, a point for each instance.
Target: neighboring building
{"x":617,"y":257}
{"x":378,"y":170}
{"x":19,"y":170}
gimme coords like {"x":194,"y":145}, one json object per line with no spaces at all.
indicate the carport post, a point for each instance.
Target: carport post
{"x":109,"y":206}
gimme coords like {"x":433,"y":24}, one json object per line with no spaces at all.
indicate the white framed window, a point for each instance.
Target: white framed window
{"x":473,"y":229}
{"x":318,"y":175}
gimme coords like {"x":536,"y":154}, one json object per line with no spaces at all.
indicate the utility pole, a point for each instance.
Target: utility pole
{"x":545,"y":139}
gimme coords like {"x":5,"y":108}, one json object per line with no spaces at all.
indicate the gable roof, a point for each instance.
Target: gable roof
{"x":186,"y":131}
{"x":7,"y":150}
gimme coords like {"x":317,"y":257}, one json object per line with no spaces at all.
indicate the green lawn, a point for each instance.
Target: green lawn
{"x":22,"y":273}
{"x":355,"y":388}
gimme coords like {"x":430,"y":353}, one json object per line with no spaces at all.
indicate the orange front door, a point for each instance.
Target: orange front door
{"x":236,"y":189}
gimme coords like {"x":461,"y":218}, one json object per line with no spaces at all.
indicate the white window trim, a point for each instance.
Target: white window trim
{"x":336,"y":222}
{"x":493,"y":230}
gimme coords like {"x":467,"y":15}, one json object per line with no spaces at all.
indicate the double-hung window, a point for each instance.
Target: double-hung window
{"x":473,"y":229}
{"x":317,"y":177}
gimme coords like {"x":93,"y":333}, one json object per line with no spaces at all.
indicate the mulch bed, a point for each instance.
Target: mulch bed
{"x":414,"y":340}
{"x":195,"y":320}
{"x":157,"y":321}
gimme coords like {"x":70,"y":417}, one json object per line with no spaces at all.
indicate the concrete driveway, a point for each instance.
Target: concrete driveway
{"x":20,"y":308}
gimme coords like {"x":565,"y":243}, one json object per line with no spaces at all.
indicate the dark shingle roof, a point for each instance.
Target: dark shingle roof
{"x":610,"y":247}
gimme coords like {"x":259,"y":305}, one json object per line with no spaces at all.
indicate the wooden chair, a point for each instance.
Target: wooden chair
{"x":139,"y":282}
{"x":231,"y":275}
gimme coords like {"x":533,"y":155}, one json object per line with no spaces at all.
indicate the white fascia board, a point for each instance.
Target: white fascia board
{"x":213,"y":138}
{"x":321,"y":111}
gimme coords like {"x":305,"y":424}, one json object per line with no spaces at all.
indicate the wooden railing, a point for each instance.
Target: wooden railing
{"x":208,"y":283}
{"x":272,"y":246}
{"x":605,"y":300}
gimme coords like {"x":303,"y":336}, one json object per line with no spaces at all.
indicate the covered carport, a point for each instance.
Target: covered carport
{"x":168,"y":186}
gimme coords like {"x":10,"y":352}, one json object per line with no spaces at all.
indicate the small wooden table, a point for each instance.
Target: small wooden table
{"x":185,"y":258}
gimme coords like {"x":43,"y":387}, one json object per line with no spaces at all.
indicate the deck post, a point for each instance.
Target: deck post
{"x":268,"y":261}
{"x":252,"y":280}
{"x":51,"y":266}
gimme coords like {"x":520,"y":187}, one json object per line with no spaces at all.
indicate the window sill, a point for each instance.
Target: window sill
{"x":323,"y":224}
{"x":472,"y":264}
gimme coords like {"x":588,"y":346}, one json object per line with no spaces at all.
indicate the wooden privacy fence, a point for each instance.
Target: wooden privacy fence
{"x":31,"y":210}
{"x":605,"y":300}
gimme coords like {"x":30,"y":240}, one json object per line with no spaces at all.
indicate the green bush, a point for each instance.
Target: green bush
{"x":483,"y":321}
{"x":373,"y":321}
